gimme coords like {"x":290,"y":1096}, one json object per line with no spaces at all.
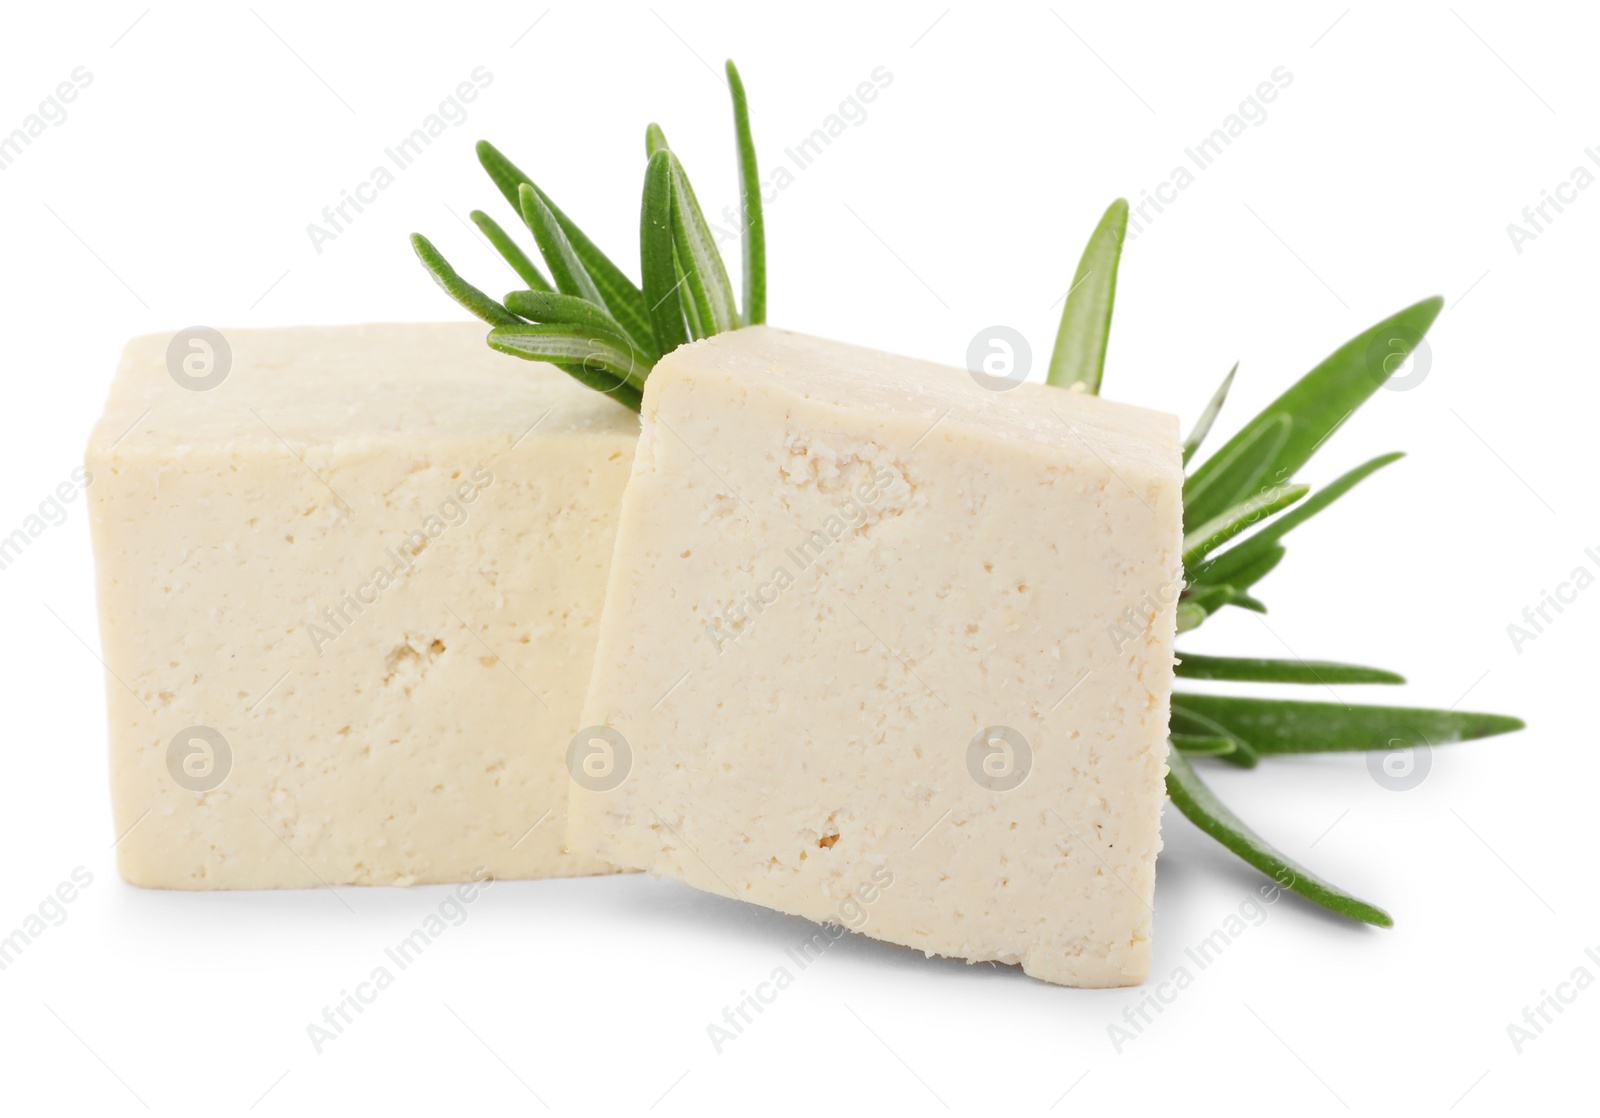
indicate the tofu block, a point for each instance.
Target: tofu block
{"x":886,"y":649}
{"x":350,"y":581}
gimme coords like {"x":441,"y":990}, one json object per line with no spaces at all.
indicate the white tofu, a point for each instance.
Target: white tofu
{"x":842,"y":582}
{"x":282,"y":714}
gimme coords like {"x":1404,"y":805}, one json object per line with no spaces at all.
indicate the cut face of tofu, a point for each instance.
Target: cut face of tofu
{"x":349,"y":595}
{"x":887,"y":649}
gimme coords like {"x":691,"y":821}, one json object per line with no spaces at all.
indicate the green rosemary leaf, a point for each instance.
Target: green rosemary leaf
{"x":1201,"y":601}
{"x":1240,"y":598}
{"x":602,"y":361}
{"x":610,"y":347}
{"x":547,"y":341}
{"x":1209,"y":598}
{"x":654,"y":139}
{"x":566,"y":310}
{"x":1201,"y":745}
{"x":1250,"y":456}
{"x":691,"y":313}
{"x":459,"y":289}
{"x":1229,"y":523}
{"x":660,"y":274}
{"x":1244,"y":555}
{"x":1080,"y":352}
{"x":507,"y":177}
{"x":1202,"y":426}
{"x":1255,"y":670}
{"x":511,"y":251}
{"x":753,"y":242}
{"x":1190,"y":616}
{"x":1186,"y":721}
{"x":622,"y":298}
{"x":1308,"y":413}
{"x":571,"y":277}
{"x":1287,"y":726}
{"x":705,"y":283}
{"x":1240,"y":576}
{"x":1212,"y":816}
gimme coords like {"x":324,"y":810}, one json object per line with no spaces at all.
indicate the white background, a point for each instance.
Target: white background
{"x":178,"y":190}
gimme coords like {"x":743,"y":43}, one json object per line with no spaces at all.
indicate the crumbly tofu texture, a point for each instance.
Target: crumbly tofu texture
{"x":378,"y":731}
{"x":836,"y":569}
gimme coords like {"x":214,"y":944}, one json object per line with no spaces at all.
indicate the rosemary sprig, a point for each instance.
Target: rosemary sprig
{"x":593,"y":321}
{"x":1247,"y":484}
{"x":1079,"y":357}
{"x":508,"y":248}
{"x":658,"y":257}
{"x":706,"y":293}
{"x":1276,"y":726}
{"x":606,"y":331}
{"x":1213,"y":817}
{"x":1223,"y":527}
{"x":459,"y":289}
{"x":1253,"y":670}
{"x":1202,"y":426}
{"x":753,"y":242}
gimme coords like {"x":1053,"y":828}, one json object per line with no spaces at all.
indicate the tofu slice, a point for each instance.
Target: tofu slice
{"x":349,"y":593}
{"x":887,"y":649}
